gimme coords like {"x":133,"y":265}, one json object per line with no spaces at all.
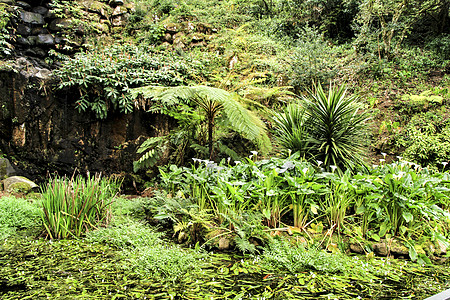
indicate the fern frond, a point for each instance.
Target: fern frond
{"x":152,"y":148}
{"x":241,"y":120}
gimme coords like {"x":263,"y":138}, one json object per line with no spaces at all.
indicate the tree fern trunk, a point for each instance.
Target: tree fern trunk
{"x":210,"y":137}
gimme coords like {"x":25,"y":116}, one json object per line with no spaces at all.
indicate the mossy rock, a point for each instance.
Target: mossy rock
{"x":97,"y":7}
{"x":6,"y":169}
{"x":19,"y":184}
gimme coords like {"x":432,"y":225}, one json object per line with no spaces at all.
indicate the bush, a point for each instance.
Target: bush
{"x":126,"y":234}
{"x":314,"y":60}
{"x":103,"y":77}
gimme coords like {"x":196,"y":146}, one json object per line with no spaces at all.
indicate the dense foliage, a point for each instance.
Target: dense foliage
{"x":398,"y":200}
{"x":103,"y":77}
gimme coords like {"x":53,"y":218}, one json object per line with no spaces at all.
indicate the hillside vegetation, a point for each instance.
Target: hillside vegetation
{"x":394,"y":55}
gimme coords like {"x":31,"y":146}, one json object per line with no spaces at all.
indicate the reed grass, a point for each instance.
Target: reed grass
{"x":76,"y":205}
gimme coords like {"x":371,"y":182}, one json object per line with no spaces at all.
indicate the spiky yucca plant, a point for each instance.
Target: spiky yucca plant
{"x":328,"y":127}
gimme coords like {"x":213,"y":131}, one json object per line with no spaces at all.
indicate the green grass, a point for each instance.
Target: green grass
{"x":17,"y":214}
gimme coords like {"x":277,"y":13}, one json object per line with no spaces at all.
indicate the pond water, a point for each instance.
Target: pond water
{"x":33,"y":268}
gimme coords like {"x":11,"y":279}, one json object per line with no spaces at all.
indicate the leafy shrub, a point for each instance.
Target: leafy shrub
{"x":283,"y":255}
{"x":426,"y":138}
{"x":103,"y":77}
{"x":313,"y":60}
{"x":17,"y":214}
{"x":72,"y":207}
{"x":5,"y":46}
{"x":441,"y":46}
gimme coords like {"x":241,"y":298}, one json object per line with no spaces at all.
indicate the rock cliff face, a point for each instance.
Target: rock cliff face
{"x":40,"y":127}
{"x":44,"y":132}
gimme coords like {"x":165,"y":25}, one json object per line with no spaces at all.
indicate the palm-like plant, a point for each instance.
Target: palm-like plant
{"x":213,"y":103}
{"x":327,"y":127}
{"x":291,"y":128}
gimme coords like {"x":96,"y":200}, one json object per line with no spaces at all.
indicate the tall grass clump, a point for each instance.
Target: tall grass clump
{"x":72,"y":207}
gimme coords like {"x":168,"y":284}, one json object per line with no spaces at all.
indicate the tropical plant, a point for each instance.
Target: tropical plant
{"x":103,"y":76}
{"x":217,"y":105}
{"x":72,"y":207}
{"x":329,"y":128}
{"x":291,"y":130}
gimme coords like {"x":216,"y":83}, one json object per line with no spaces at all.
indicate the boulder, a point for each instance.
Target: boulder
{"x":6,"y":169}
{"x":43,"y":74}
{"x":19,"y":184}
{"x":32,"y":18}
{"x":356,"y":248}
{"x":39,"y":30}
{"x":40,"y":10}
{"x":173,"y":28}
{"x":102,"y":27}
{"x":224,"y":243}
{"x":23,"y":30}
{"x":380,"y":249}
{"x":23,"y":5}
{"x":45,"y":40}
{"x":119,"y":20}
{"x":168,"y":38}
{"x":97,"y":7}
{"x":32,"y":40}
{"x":398,"y":249}
{"x":60,"y":24}
{"x":23,"y":41}
{"x":119,"y":10}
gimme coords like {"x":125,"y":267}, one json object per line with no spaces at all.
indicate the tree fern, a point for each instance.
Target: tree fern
{"x":152,"y":148}
{"x":229,"y":105}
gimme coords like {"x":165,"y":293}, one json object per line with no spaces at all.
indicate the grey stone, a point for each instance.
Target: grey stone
{"x":60,"y":24}
{"x":399,"y":249}
{"x":6,"y":169}
{"x":23,"y":41}
{"x":40,"y":10}
{"x":356,"y":248}
{"x":50,"y":14}
{"x":119,"y":10}
{"x":97,"y":7}
{"x":38,"y":52}
{"x":45,"y":40}
{"x":118,"y":21}
{"x":380,"y":249}
{"x":168,"y":38}
{"x":43,"y":74}
{"x":24,"y":5}
{"x":19,"y":184}
{"x":39,"y":30}
{"x":224,"y":243}
{"x":32,"y":18}
{"x":32,"y":40}
{"x":23,"y":30}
